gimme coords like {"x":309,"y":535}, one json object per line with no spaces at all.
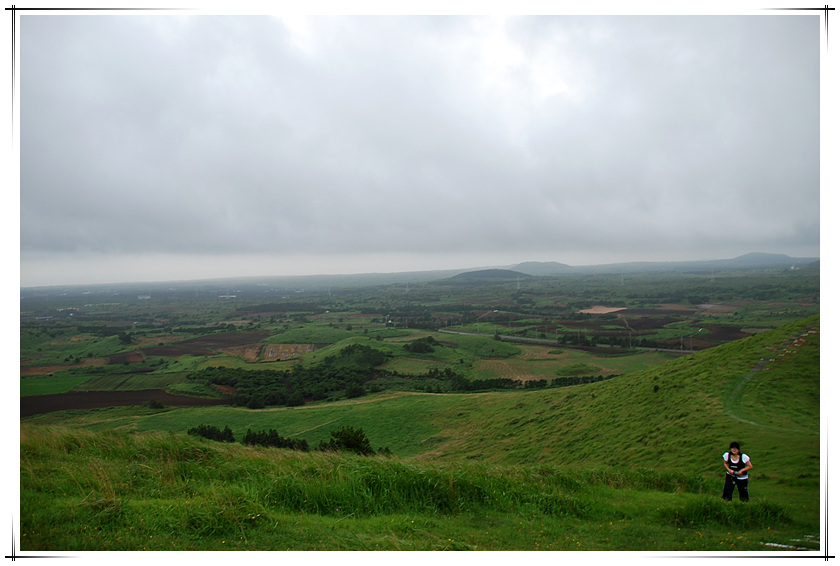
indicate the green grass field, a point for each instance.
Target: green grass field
{"x":49,"y":385}
{"x":632,"y":463}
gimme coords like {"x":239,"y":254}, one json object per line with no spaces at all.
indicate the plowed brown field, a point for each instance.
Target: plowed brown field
{"x":39,"y":404}
{"x":508,"y":370}
{"x":46,"y":370}
{"x":250,"y":352}
{"x":286,"y":351}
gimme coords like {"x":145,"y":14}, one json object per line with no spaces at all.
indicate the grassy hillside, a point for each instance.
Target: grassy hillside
{"x":111,"y":490}
{"x":682,"y":411}
{"x":684,"y":408}
{"x":633,"y":463}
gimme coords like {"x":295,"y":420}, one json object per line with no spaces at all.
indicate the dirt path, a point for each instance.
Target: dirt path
{"x":730,"y":403}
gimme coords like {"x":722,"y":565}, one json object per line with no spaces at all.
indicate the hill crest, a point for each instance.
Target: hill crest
{"x":489,"y":275}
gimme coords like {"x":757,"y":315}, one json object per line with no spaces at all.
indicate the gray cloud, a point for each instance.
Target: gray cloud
{"x":532,"y":137}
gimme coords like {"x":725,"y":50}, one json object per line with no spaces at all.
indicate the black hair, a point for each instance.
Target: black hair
{"x":735,"y":445}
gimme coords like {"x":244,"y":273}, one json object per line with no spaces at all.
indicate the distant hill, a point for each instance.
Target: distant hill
{"x":543,"y":268}
{"x":498,"y":274}
{"x":753,"y":260}
{"x":489,"y":276}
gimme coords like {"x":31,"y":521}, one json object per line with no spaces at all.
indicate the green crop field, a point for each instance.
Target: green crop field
{"x":47,"y":385}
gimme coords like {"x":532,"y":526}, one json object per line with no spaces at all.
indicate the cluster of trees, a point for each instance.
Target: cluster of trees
{"x":285,"y":307}
{"x":347,"y":371}
{"x":422,"y":345}
{"x":272,"y":438}
{"x":460,"y":383}
{"x":356,"y":357}
{"x":346,"y":439}
{"x":212,"y":432}
{"x":579,"y":380}
{"x":101,"y":331}
{"x":352,"y":373}
{"x":614,"y":339}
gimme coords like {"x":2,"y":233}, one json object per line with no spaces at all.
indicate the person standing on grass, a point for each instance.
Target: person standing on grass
{"x":737,"y":465}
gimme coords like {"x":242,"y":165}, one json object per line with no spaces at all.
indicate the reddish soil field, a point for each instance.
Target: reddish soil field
{"x":659,"y":312}
{"x":505,"y":369}
{"x":176,"y":351}
{"x":128,"y":358}
{"x":206,"y":345}
{"x":649,"y":323}
{"x":46,"y":370}
{"x":225,"y":340}
{"x":250,"y":352}
{"x":286,"y":351}
{"x":39,"y":404}
{"x":723,"y":333}
{"x":600,"y":309}
{"x":602,"y":351}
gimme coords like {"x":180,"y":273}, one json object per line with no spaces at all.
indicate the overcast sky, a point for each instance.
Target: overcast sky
{"x":165,"y":147}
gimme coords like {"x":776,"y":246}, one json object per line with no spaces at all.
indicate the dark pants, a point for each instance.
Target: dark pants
{"x":729,"y":488}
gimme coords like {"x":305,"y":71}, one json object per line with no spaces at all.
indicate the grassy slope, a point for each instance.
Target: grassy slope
{"x":683,"y":423}
{"x":86,"y":490}
{"x":623,"y":421}
{"x":702,"y":402}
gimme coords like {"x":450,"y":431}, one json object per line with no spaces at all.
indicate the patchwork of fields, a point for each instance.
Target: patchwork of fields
{"x":507,"y":415}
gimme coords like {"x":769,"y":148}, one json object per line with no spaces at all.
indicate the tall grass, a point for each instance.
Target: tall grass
{"x":85,"y":490}
{"x":171,"y":465}
{"x":703,"y":511}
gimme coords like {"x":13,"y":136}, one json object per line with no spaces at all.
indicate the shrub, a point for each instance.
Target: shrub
{"x":354,"y":390}
{"x":421,"y":345}
{"x":349,"y":439}
{"x":295,"y":399}
{"x":272,"y":438}
{"x":212,"y":432}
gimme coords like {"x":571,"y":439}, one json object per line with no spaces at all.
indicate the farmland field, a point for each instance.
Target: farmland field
{"x":272,"y":352}
{"x":504,"y":415}
{"x":521,"y":333}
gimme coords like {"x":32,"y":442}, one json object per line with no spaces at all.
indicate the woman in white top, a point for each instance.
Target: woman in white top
{"x":737,"y":465}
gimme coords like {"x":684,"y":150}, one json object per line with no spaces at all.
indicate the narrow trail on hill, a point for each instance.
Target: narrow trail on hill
{"x":730,"y":403}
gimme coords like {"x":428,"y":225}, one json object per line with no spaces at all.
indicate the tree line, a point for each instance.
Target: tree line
{"x":352,"y":374}
{"x":347,"y":371}
{"x":344,"y":439}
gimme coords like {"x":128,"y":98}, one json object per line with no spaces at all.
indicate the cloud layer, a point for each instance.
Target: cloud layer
{"x":562,"y":138}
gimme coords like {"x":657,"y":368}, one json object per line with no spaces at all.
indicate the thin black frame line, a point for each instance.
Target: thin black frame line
{"x":89,"y":9}
{"x":14,"y":9}
{"x":14,"y":556}
{"x":825,"y":9}
{"x":14,"y":19}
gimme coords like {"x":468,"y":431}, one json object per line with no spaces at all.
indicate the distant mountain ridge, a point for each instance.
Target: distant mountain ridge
{"x":486,"y":275}
{"x":750,"y":260}
{"x":496,"y":273}
{"x":543,"y":268}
